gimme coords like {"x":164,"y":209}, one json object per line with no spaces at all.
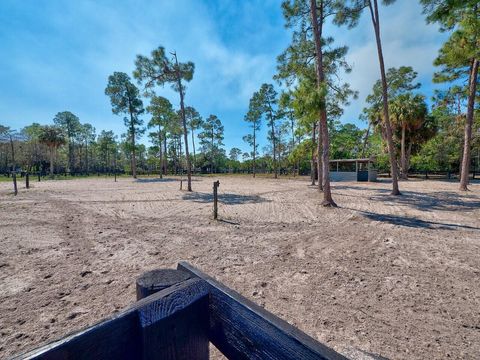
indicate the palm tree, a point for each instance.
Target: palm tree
{"x":408,"y":115}
{"x":53,"y":137}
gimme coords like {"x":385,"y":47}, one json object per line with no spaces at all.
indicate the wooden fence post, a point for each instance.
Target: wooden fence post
{"x":27,"y":180}
{"x":216,"y":184}
{"x":181,"y":336}
{"x":14,"y":175}
{"x":156,"y":280}
{"x":39,"y":176}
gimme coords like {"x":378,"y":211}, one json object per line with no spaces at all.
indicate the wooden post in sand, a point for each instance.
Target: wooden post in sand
{"x":216,"y":184}
{"x":174,"y":325}
{"x":27,"y":180}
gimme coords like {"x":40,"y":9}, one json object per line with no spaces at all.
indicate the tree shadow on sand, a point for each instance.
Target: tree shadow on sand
{"x":224,"y":198}
{"x":436,"y":201}
{"x":413,"y":222}
{"x":432,"y":201}
{"x":157,"y":180}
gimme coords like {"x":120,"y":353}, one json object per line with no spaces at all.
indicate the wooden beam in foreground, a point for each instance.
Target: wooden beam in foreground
{"x":179,"y":321}
{"x":241,"y":329}
{"x":170,"y":324}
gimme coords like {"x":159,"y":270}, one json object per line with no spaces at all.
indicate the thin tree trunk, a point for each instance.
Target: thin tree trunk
{"x":165,"y":164}
{"x":292,"y":128}
{"x":407,"y":160}
{"x":312,"y":167}
{"x":80,"y":160}
{"x":134,"y":159}
{"x":193,"y":146}
{"x":175,"y":153}
{"x":184,"y":121}
{"x":323,"y":126}
{"x":180,"y":162}
{"x":14,"y":168}
{"x":86,"y":157}
{"x":365,"y":141}
{"x":160,"y":152}
{"x":70,"y":154}
{"x":52,"y":149}
{"x":13,"y":153}
{"x":274,"y":146}
{"x":319,"y":159}
{"x":472,"y":91}
{"x":211,"y":152}
{"x":254,"y":149}
{"x":391,"y":148}
{"x":115,"y":164}
{"x":403,"y":155}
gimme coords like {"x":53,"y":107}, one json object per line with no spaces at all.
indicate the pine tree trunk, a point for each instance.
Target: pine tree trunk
{"x":174,"y":154}
{"x":293,"y":141}
{"x":160,"y":152}
{"x":403,"y":155}
{"x":317,"y":32}
{"x":254,"y":149}
{"x":180,"y":162}
{"x":193,"y":146}
{"x":312,"y":166}
{"x":365,"y":141}
{"x":274,"y":146}
{"x":407,"y":159}
{"x":70,"y":155}
{"x":319,"y":158}
{"x":472,"y":91}
{"x":211,"y":152}
{"x":80,"y":160}
{"x":86,"y":157}
{"x":184,"y":121}
{"x":134,"y":159}
{"x":388,"y":128}
{"x":52,"y":153}
{"x":165,"y":163}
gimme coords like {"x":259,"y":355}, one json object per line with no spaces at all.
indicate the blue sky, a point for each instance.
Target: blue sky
{"x":57,"y":55}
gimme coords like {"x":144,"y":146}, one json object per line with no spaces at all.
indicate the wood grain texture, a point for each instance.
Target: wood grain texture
{"x":133,"y":333}
{"x":156,"y":280}
{"x":175,"y":326}
{"x":240,"y":329}
{"x":116,"y":338}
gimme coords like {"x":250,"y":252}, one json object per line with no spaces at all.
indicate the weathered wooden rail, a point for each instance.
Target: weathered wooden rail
{"x":178,"y":313}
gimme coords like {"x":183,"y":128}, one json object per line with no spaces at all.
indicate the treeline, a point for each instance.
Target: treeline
{"x":300,"y":113}
{"x":70,"y":147}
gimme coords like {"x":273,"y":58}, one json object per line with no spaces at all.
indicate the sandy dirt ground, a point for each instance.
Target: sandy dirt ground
{"x":394,"y":276}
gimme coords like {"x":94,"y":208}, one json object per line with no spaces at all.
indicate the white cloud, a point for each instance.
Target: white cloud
{"x":407,"y":41}
{"x":67,"y":66}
